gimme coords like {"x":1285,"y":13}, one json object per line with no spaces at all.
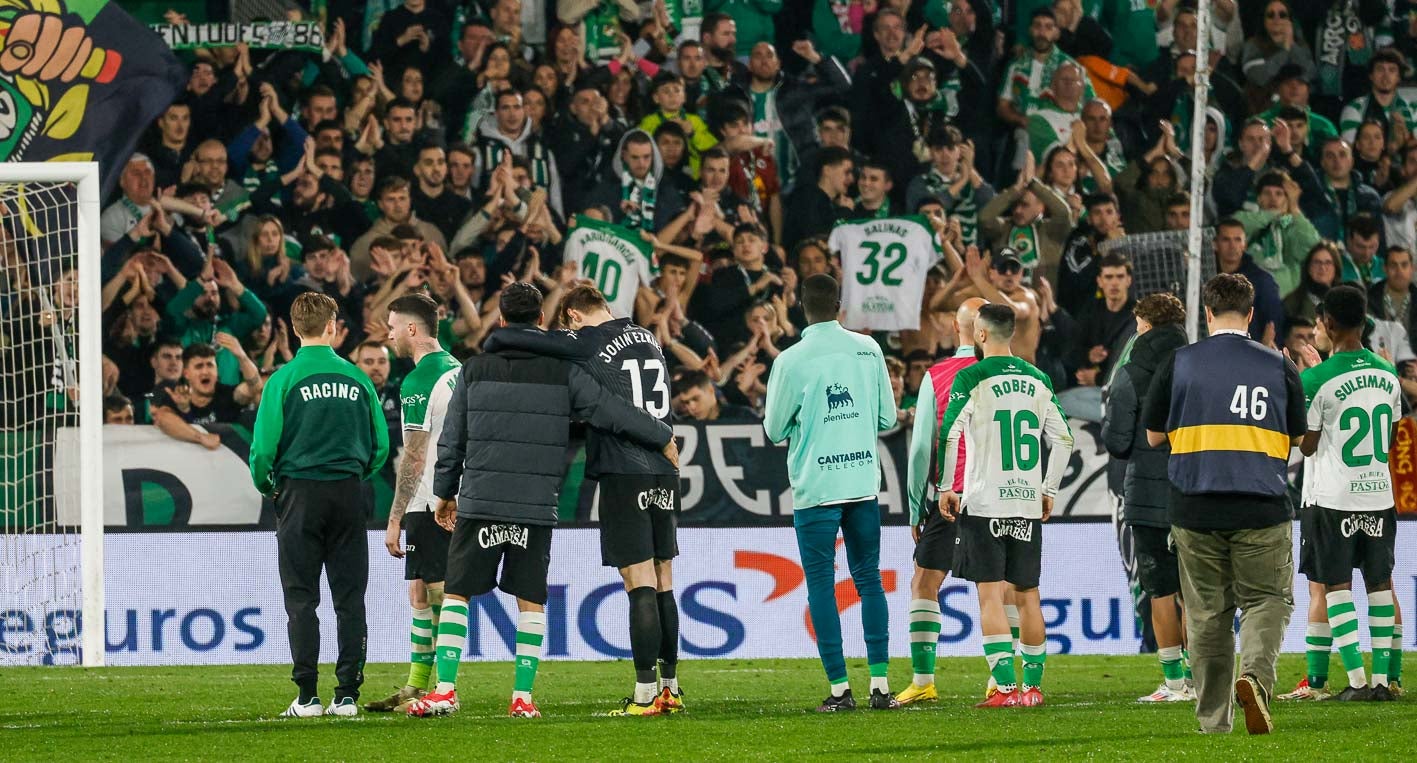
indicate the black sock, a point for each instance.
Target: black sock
{"x":307,"y":693}
{"x":669,"y":638}
{"x":644,"y":633}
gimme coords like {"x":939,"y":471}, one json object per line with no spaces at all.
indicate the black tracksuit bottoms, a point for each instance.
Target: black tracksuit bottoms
{"x":321,"y":524}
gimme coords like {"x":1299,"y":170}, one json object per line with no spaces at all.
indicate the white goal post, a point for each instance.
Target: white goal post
{"x":30,"y":193}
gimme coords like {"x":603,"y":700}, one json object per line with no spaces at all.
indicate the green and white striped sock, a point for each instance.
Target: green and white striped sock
{"x":1381,"y":614}
{"x":1318,"y":643}
{"x":531,"y":630}
{"x":999,"y":653}
{"x":1034,"y":656}
{"x":1343,"y":619}
{"x":452,"y":636}
{"x":420,"y":637}
{"x":925,"y":624}
{"x":1171,"y":667}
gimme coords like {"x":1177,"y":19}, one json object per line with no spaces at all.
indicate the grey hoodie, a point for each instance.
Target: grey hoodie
{"x":618,"y":163}
{"x":668,"y":202}
{"x":520,"y":144}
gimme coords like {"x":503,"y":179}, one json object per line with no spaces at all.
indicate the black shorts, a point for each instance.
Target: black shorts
{"x":639,"y":514}
{"x":936,"y":549}
{"x":990,"y":549}
{"x":479,"y":546}
{"x":1157,"y":569}
{"x":1333,"y":543}
{"x":427,"y":553}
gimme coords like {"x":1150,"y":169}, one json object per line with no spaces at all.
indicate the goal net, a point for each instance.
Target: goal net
{"x":51,"y":414}
{"x":1160,"y":263}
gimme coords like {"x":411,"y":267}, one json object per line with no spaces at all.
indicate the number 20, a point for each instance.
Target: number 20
{"x":1258,"y":402}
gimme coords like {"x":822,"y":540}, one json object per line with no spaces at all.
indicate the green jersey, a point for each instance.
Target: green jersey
{"x":319,"y":419}
{"x":424,"y":397}
{"x":1353,"y":400}
{"x":1005,"y":409}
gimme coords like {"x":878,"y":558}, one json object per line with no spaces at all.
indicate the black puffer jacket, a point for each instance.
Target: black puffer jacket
{"x":1146,"y":487}
{"x":505,"y":433}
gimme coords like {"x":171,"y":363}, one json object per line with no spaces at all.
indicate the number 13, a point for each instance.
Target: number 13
{"x":659,"y":406}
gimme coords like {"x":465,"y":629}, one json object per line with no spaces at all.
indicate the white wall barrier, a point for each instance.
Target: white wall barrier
{"x":214,"y":598}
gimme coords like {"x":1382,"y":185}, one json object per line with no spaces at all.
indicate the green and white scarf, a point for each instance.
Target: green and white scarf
{"x":641,"y":195}
{"x":1342,"y":39}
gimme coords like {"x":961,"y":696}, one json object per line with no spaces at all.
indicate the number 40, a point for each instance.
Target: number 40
{"x":1250,"y":403}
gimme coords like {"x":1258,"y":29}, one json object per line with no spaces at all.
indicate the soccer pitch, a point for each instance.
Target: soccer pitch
{"x":759,"y":709}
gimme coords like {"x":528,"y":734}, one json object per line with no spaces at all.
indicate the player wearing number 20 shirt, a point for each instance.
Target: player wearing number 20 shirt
{"x":639,"y":489}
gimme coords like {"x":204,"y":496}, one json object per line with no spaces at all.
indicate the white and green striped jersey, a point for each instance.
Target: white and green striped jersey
{"x":1353,"y":400}
{"x":1361,"y":108}
{"x":614,"y":258}
{"x":883,"y":266}
{"x":1005,"y":409}
{"x":424,"y":397}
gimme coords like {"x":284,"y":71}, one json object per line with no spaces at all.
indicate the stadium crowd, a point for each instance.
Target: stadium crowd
{"x":449,"y":146}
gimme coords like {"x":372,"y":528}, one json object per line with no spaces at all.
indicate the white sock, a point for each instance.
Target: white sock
{"x":671,"y":684}
{"x":644,"y":693}
{"x":880,"y":684}
{"x":839,"y":690}
{"x":1011,"y":612}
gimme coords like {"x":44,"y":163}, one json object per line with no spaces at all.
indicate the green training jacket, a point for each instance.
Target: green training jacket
{"x":319,"y":419}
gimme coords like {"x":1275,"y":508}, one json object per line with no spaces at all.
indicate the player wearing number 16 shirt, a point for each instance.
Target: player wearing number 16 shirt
{"x":639,"y":488}
{"x":1005,"y":410}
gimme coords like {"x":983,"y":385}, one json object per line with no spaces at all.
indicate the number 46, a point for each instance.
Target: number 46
{"x":1258,"y":402}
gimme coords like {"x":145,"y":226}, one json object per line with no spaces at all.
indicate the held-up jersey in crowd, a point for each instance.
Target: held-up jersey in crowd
{"x":614,"y":258}
{"x":424,"y":397}
{"x":883,"y":270}
{"x":1353,"y":400}
{"x":1005,"y":409}
{"x":626,"y":360}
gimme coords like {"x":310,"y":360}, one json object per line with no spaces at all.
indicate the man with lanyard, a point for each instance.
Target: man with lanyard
{"x":1345,"y":194}
{"x":830,"y":395}
{"x":934,"y":536}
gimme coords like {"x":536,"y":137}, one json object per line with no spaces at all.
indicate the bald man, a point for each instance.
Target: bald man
{"x":934,"y":535}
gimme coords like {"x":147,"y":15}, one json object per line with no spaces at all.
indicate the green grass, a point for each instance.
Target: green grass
{"x":738,"y":709}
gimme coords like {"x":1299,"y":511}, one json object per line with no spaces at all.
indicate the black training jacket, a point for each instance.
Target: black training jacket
{"x":503,"y":446}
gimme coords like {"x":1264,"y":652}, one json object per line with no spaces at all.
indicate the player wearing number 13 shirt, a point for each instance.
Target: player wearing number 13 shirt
{"x":1005,"y":411}
{"x":639,"y":489}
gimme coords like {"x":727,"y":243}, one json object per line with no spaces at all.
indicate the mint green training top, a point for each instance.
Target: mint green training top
{"x":319,"y":419}
{"x":830,"y":395}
